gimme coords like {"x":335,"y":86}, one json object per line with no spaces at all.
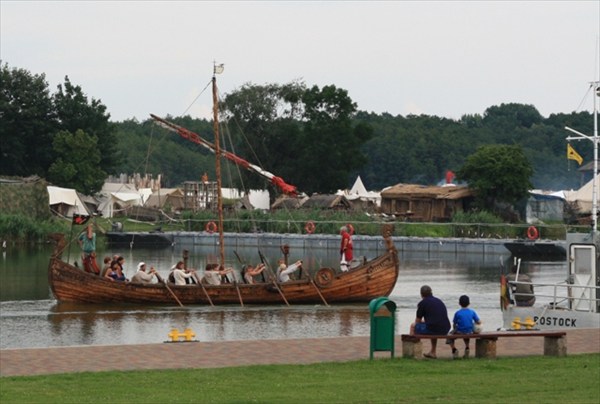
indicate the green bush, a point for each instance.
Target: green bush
{"x":19,"y":228}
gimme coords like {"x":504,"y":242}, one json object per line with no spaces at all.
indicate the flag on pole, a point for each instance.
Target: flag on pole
{"x":80,"y":219}
{"x":573,"y":155}
{"x":219,"y":68}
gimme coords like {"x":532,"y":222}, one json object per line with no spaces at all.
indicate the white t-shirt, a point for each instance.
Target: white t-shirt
{"x":180,"y":275}
{"x":212,"y":277}
{"x":283,"y":275}
{"x":142,"y":277}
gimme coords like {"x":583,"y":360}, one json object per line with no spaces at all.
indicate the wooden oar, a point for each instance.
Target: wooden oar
{"x":316,"y":287}
{"x":237,"y":287}
{"x":203,"y":288}
{"x":160,"y":279}
{"x":311,"y":280}
{"x":273,"y":276}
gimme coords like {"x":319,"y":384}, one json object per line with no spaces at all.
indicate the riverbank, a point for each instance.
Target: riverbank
{"x":19,"y":229}
{"x":216,"y":354}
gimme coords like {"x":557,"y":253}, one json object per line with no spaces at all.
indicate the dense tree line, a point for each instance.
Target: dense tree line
{"x":419,"y":149}
{"x":64,"y":137}
{"x":315,"y":138}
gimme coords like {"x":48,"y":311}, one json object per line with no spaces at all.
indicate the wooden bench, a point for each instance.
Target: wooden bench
{"x":555,"y":342}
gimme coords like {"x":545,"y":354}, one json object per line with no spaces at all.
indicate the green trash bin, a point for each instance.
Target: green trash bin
{"x":383,"y":325}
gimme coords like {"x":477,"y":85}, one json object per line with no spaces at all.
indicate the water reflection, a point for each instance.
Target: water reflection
{"x":29,"y":317}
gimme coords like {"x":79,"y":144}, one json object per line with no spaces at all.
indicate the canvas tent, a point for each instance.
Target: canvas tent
{"x":116,"y":198}
{"x":66,"y":201}
{"x":166,"y":197}
{"x":581,"y":199}
{"x":359,"y":197}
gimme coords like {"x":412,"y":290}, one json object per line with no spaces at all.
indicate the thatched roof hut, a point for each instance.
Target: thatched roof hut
{"x":287,"y":202}
{"x":317,"y":201}
{"x":425,"y":203}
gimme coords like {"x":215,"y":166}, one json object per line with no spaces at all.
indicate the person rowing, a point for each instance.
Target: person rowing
{"x":284,"y":272}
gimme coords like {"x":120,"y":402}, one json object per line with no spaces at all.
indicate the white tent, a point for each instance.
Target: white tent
{"x":358,"y":191}
{"x":259,"y":198}
{"x":66,"y":201}
{"x":115,"y":197}
{"x":582,"y":198}
{"x":358,"y":188}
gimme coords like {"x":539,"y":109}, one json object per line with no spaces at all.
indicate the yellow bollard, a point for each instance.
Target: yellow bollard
{"x":174,"y":335}
{"x":528,"y":323}
{"x":187,"y":335}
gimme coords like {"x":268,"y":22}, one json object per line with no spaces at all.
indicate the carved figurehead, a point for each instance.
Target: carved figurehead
{"x":59,"y":240}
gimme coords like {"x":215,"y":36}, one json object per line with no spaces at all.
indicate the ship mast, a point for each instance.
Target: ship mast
{"x":594,"y":139}
{"x":218,"y":69}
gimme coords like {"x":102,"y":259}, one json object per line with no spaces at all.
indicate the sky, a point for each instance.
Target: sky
{"x":444,"y":58}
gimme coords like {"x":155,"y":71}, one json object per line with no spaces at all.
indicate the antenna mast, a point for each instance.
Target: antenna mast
{"x":594,"y":139}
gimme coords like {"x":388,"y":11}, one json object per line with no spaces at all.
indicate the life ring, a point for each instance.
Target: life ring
{"x":310,"y":227}
{"x":324,"y":277}
{"x":211,"y":227}
{"x":532,"y":233}
{"x":350,"y":229}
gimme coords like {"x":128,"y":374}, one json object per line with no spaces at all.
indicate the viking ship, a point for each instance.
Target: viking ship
{"x":365,"y":280}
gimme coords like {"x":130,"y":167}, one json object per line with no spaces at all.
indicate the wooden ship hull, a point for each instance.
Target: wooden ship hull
{"x":372,"y":279}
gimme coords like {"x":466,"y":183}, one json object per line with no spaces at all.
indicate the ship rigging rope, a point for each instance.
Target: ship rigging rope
{"x":198,"y":96}
{"x":585,"y":96}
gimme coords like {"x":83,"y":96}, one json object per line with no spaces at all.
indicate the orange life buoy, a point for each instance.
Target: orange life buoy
{"x":350,"y":229}
{"x":211,"y":227}
{"x":310,"y":227}
{"x":532,"y":233}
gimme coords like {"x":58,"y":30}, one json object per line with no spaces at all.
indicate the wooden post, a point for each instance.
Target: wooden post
{"x":555,"y":346}
{"x":412,"y":347}
{"x":485,"y":348}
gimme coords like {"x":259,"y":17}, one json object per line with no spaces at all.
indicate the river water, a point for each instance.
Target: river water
{"x":30,"y":317}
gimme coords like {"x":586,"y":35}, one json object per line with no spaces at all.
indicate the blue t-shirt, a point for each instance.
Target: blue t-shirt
{"x":434,"y":311}
{"x":464,"y":319}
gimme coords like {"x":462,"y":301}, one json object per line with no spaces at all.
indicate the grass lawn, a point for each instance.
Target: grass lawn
{"x":574,"y":379}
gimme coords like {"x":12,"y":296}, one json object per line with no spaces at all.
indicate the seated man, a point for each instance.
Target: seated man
{"x":283,"y":272}
{"x":432,"y":318}
{"x":249,"y":272}
{"x":213,"y":274}
{"x":141,"y":276}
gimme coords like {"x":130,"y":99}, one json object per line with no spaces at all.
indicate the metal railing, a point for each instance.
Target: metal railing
{"x":562,"y":293}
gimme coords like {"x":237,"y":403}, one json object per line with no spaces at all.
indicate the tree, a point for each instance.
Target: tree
{"x":78,"y":164}
{"x":306,"y":136}
{"x":331,"y":148}
{"x":30,"y":119}
{"x":27,"y":123}
{"x":497,"y":173}
{"x":75,"y":112}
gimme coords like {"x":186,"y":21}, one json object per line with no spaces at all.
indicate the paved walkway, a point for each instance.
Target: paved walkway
{"x":36,"y":361}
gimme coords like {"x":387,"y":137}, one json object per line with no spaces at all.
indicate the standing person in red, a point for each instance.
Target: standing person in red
{"x":345,"y":248}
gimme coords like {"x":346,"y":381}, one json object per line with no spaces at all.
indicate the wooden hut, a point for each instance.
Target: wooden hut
{"x":337,"y":202}
{"x":287,"y":202}
{"x":425,"y":203}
